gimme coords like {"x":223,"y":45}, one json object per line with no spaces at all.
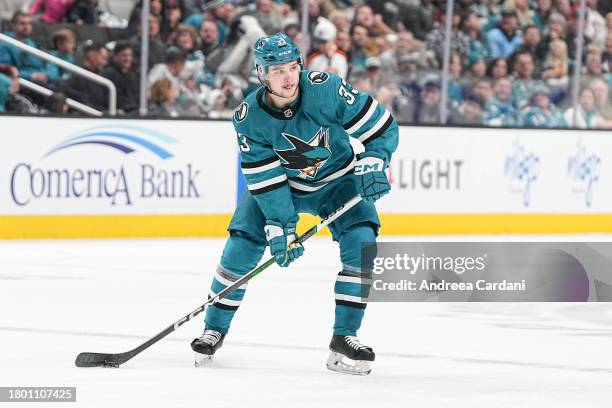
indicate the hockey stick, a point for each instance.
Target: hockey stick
{"x":87,"y":359}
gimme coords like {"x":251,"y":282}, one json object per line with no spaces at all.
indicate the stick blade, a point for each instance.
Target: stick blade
{"x":98,"y":360}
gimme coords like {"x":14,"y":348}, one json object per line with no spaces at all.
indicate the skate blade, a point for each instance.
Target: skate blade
{"x":202,"y":360}
{"x":341,"y":364}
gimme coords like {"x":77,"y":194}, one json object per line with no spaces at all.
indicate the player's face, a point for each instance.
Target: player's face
{"x":283,"y":79}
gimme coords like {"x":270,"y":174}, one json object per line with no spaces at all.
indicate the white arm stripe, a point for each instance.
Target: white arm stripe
{"x":266,"y":183}
{"x":365,"y":118}
{"x":263,"y":168}
{"x":374,"y":129}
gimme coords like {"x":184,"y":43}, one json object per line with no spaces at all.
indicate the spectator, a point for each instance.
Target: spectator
{"x":532,"y":43}
{"x":64,"y":45}
{"x":524,"y":15}
{"x":594,"y":68}
{"x":84,"y":12}
{"x":595,"y":27}
{"x":500,"y":110}
{"x":157,"y":49}
{"x":555,"y":71}
{"x":571,"y":36}
{"x":211,"y":45}
{"x":186,"y":39}
{"x":542,"y":113}
{"x":57,"y":103}
{"x":473,"y":28}
{"x":477,"y":70}
{"x":359,"y":54}
{"x":84,"y":90}
{"x":155,"y":10}
{"x":484,"y":90}
{"x":498,"y":68}
{"x":343,"y":41}
{"x":54,"y":11}
{"x":606,"y":58}
{"x":374,"y":23}
{"x":162,"y":99}
{"x":416,"y":17}
{"x":126,"y":80}
{"x":327,"y":57}
{"x":30,"y":67}
{"x":268,"y":17}
{"x":506,"y":38}
{"x":587,"y":116}
{"x":428,"y":111}
{"x":340,"y":20}
{"x":216,"y":105}
{"x":456,"y":81}
{"x":524,"y":82}
{"x":542,"y":14}
{"x":171,"y":18}
{"x":460,"y":42}
{"x":470,"y":112}
{"x":9,"y":84}
{"x":173,"y":69}
{"x":237,"y":58}
{"x":602,"y":99}
{"x":232,"y":91}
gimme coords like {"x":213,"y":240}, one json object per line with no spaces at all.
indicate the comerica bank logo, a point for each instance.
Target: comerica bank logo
{"x":114,"y":165}
{"x":126,"y":139}
{"x":522,"y":170}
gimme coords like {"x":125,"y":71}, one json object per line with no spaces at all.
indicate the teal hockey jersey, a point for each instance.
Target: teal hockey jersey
{"x":305,"y":147}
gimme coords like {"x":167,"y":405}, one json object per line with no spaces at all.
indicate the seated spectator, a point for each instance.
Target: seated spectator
{"x":524,"y":15}
{"x":171,"y":18}
{"x":84,"y":12}
{"x":594,"y":68}
{"x":500,"y":111}
{"x":64,"y":45}
{"x":30,"y":67}
{"x":358,"y":54}
{"x":217,"y":108}
{"x":268,"y":16}
{"x":542,"y":14}
{"x":155,"y":10}
{"x":483,"y":89}
{"x":505,"y":39}
{"x":122,"y":74}
{"x":472,"y":26}
{"x":456,"y":81}
{"x":595,"y":24}
{"x":428,"y":110}
{"x":587,"y":116}
{"x":524,"y":83}
{"x":601,"y":91}
{"x":162,"y":99}
{"x":173,"y":69}
{"x":84,"y":90}
{"x":339,"y":18}
{"x":185,"y":38}
{"x":374,"y":23}
{"x":157,"y":49}
{"x":244,"y":32}
{"x":555,"y":70}
{"x":542,"y":113}
{"x":54,"y":11}
{"x":533,"y":44}
{"x":327,"y":57}
{"x":460,"y":42}
{"x":57,"y":103}
{"x":470,"y":112}
{"x":498,"y":68}
{"x":211,"y":45}
{"x":9,"y":84}
{"x":477,"y":69}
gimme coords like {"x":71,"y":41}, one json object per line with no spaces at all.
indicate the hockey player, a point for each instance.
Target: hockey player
{"x":293,"y":134}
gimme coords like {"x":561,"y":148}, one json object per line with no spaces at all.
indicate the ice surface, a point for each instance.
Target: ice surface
{"x":58,"y":298}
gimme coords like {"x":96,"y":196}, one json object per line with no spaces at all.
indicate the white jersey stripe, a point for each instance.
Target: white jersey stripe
{"x":375,"y":128}
{"x":349,"y":298}
{"x":266,"y":183}
{"x":363,"y":120}
{"x":353,"y":279}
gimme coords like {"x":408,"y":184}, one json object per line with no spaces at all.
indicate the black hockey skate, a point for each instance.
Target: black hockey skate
{"x":206,"y":345}
{"x":349,"y":356}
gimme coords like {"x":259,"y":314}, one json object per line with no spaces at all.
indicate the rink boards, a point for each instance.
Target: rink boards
{"x":78,"y":178}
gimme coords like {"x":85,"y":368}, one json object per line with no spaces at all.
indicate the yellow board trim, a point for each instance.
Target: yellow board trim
{"x":214,"y":225}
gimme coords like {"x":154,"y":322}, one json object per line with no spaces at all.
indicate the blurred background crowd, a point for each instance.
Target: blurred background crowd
{"x":512,"y":62}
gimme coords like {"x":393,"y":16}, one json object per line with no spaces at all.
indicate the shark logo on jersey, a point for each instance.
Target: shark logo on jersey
{"x":306,"y":157}
{"x":241,"y":112}
{"x":318,"y":78}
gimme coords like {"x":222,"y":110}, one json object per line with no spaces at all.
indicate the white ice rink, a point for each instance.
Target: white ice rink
{"x":58,"y":298}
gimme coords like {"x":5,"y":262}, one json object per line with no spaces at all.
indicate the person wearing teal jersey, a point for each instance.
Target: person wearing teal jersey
{"x":294,"y":138}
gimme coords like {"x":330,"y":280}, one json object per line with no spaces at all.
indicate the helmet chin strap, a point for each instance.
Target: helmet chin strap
{"x":269,"y":90}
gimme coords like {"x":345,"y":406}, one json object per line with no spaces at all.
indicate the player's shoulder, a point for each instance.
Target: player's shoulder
{"x":318,"y":80}
{"x":245,"y":113}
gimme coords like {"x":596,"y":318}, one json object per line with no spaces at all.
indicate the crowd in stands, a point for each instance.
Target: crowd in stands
{"x":512,"y":61}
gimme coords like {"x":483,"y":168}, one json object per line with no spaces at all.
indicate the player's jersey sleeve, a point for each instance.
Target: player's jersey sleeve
{"x":265,"y":176}
{"x":365,"y":119}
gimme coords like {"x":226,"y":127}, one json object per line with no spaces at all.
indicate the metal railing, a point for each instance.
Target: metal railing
{"x":71,"y":102}
{"x":75,"y":69}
